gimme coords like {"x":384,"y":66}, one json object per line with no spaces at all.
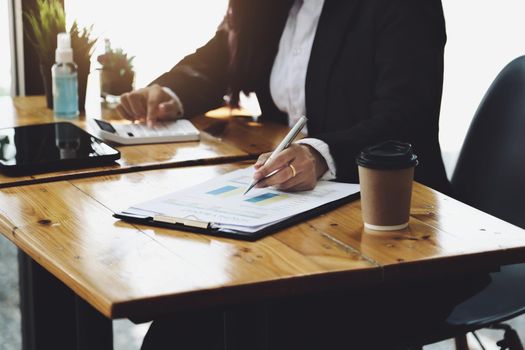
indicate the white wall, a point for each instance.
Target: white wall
{"x":483,"y":36}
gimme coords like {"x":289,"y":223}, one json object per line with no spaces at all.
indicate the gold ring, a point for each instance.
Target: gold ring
{"x":293,"y":170}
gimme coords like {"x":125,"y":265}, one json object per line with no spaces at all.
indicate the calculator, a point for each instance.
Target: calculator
{"x":180,"y":130}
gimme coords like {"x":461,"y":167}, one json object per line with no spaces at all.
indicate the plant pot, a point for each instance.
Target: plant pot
{"x":45,"y":71}
{"x":112,"y":83}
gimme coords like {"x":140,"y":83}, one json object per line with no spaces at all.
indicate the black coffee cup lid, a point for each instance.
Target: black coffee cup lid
{"x":388,"y":155}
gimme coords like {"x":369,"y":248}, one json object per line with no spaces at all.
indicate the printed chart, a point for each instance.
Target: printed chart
{"x":226,"y":191}
{"x":260,"y":199}
{"x":222,"y":203}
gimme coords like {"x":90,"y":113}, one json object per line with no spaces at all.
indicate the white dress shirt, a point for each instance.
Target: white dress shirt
{"x":288,"y":77}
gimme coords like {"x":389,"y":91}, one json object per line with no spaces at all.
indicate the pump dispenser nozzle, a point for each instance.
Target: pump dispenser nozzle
{"x":63,"y":53}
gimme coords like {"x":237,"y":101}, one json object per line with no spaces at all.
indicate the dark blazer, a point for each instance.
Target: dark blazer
{"x":375,"y":73}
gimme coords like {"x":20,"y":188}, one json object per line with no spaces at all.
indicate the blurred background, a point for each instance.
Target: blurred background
{"x":483,"y":36}
{"x":158,"y":33}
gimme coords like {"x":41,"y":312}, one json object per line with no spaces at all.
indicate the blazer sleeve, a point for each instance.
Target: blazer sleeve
{"x":410,"y":39}
{"x":200,"y":79}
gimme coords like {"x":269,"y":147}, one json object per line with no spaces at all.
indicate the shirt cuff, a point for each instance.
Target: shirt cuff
{"x":176,"y":99}
{"x":324,"y":150}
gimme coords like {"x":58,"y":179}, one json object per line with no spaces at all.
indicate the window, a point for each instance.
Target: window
{"x":157,"y":32}
{"x":5,"y":52}
{"x":483,"y":36}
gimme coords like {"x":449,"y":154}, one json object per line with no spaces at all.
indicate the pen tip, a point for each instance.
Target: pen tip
{"x":248,"y":189}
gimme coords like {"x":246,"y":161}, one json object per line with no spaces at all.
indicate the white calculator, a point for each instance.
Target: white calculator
{"x":180,"y":130}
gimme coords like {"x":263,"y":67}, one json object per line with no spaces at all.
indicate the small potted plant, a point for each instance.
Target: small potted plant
{"x":116,"y":73}
{"x":45,"y":22}
{"x":82,"y":45}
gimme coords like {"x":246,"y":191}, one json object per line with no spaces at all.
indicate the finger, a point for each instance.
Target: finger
{"x":153,"y":106}
{"x":283,"y":159}
{"x":122,"y":112}
{"x":261,"y":160}
{"x":124,"y":104}
{"x":137,"y":104}
{"x":304,"y":182}
{"x":278,"y":178}
{"x":302,"y":186}
{"x":151,"y":120}
{"x":169,"y":110}
{"x":291,"y":184}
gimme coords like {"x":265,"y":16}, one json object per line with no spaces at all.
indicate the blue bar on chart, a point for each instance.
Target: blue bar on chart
{"x":222,"y":190}
{"x":262,"y":197}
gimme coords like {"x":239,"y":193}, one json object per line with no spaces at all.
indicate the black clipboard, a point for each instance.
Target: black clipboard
{"x":201,"y":227}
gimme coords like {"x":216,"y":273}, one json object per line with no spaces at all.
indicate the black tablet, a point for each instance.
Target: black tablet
{"x":33,"y":149}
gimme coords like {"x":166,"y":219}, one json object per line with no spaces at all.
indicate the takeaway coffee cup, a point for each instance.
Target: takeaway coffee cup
{"x":386,"y":172}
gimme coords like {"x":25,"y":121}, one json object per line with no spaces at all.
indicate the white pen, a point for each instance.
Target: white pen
{"x":283,"y":145}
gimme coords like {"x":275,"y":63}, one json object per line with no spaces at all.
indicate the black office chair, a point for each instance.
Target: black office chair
{"x":490,"y":176}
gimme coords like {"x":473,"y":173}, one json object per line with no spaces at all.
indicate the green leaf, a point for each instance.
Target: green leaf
{"x":82,"y":43}
{"x":117,"y":60}
{"x":44,"y":24}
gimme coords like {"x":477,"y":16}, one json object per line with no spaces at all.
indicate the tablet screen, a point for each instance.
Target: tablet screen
{"x":47,"y":147}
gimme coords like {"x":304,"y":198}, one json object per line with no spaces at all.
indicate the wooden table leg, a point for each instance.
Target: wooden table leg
{"x":53,"y":317}
{"x":246,"y":327}
{"x":46,"y":307}
{"x":94,"y":330}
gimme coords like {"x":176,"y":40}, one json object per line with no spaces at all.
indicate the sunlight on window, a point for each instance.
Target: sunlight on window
{"x":5,"y":53}
{"x":158,"y":33}
{"x":480,"y":43}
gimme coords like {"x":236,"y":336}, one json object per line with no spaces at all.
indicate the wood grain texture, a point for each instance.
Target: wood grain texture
{"x":444,"y":236}
{"x":244,"y":132}
{"x":225,"y":138}
{"x":138,"y":271}
{"x":127,"y":271}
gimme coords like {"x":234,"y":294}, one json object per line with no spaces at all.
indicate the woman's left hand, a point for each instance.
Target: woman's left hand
{"x":300,"y":167}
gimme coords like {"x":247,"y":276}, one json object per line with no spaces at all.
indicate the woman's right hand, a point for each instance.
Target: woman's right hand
{"x":149,"y":104}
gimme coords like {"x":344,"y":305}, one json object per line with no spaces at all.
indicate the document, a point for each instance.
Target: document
{"x":220,"y":202}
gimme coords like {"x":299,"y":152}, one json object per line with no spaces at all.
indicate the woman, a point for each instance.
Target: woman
{"x":363,"y":71}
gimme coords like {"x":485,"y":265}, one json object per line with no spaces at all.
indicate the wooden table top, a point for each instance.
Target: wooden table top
{"x":225,"y":138}
{"x":136,"y":271}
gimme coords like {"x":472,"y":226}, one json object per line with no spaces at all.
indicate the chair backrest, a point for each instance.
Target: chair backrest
{"x":490,"y":173}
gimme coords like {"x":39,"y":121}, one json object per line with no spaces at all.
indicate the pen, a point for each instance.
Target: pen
{"x":283,"y":145}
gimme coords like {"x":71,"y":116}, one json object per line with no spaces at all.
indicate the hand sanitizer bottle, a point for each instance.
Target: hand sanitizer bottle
{"x":65,"y":83}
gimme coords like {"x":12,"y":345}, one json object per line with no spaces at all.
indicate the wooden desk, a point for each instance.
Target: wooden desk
{"x":67,"y":227}
{"x":134,"y":271}
{"x":224,"y":139}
